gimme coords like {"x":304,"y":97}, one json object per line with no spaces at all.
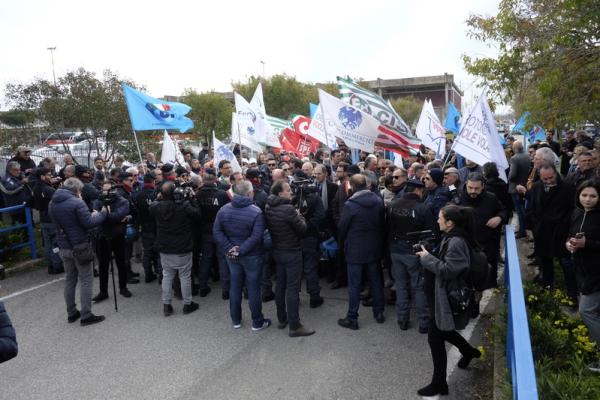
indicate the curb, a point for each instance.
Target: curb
{"x":20,"y":267}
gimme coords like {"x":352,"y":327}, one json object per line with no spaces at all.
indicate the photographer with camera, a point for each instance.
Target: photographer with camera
{"x":150,"y":257}
{"x":308,"y":202}
{"x":175,"y":216}
{"x":111,"y":239}
{"x":42,"y":194}
{"x":405,"y":215}
{"x":287,"y":226}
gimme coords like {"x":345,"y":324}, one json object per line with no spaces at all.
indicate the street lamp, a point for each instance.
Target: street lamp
{"x":52,"y":56}
{"x":263,"y":67}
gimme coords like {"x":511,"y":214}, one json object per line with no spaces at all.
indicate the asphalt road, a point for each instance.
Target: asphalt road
{"x":137,"y":353}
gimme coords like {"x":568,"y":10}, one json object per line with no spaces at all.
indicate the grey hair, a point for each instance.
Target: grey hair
{"x":196,"y":180}
{"x":13,"y":165}
{"x":244,"y":188}
{"x":73,"y":184}
{"x":371,"y":178}
{"x":547,"y":155}
{"x":132,"y":171}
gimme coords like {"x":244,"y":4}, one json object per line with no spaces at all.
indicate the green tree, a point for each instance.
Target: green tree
{"x":548,"y":58}
{"x":283,"y":95}
{"x":409,"y":108}
{"x":210,"y":112}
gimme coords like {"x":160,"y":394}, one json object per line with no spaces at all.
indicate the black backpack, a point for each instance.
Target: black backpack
{"x":479,"y":270}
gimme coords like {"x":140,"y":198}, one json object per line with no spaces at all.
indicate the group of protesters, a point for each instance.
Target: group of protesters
{"x":391,"y":232}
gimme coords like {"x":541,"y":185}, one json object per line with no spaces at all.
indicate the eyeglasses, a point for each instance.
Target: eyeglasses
{"x":285,"y":169}
{"x":426,"y":178}
{"x":271,"y":165}
{"x":396,"y":177}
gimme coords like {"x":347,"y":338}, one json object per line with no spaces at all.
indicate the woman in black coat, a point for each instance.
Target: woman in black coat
{"x":453,"y":260}
{"x":583,"y":243}
{"x":8,"y":337}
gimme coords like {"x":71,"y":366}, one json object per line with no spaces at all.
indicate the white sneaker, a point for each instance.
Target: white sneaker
{"x":237,"y":326}
{"x":265,"y":325}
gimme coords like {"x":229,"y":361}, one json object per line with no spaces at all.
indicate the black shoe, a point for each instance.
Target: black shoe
{"x":204,"y":292}
{"x":368,"y":302}
{"x":190,"y":308}
{"x":100,"y":297}
{"x":348,"y":323}
{"x":282,"y":325}
{"x":96,"y":274}
{"x":167,"y":310}
{"x":74,"y":317}
{"x":465,"y":360}
{"x":403,"y":325}
{"x":316,"y":301}
{"x":423,"y":330}
{"x":380,"y":318}
{"x":133,"y":281}
{"x":301,"y":331}
{"x":150,"y":278}
{"x":225,"y":294}
{"x":433,"y":389}
{"x":266,"y":297}
{"x":92,"y":319}
{"x":125,"y":292}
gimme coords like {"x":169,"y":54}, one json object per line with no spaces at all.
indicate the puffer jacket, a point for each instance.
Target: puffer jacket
{"x":8,"y":337}
{"x":240,"y":223}
{"x":286,"y":226}
{"x":71,"y":216}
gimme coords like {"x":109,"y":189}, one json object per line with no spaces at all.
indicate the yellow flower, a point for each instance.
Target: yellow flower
{"x":482,"y":351}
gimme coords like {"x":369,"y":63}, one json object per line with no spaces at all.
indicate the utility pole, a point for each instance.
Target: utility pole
{"x":52,"y":56}
{"x":263,"y":69}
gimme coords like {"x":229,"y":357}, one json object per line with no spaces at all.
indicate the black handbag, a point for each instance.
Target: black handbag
{"x":82,"y":252}
{"x":460,"y":297}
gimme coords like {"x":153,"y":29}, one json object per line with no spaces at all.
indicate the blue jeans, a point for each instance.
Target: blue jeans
{"x":519,"y":203}
{"x":407,"y":274}
{"x":249,"y":267}
{"x":51,"y":258}
{"x":287,"y":291}
{"x":209,"y":250}
{"x":354,"y":281}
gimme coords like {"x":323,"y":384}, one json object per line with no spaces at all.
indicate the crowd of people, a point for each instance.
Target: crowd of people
{"x":368,"y":225}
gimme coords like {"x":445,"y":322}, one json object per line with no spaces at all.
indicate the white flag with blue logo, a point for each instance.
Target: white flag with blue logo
{"x":357,"y":129}
{"x":222,"y":152}
{"x":258,"y":104}
{"x":430,"y":130}
{"x":170,"y":153}
{"x":247,"y":128}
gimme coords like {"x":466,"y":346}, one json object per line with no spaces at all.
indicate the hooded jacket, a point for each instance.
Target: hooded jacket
{"x":174,"y":222}
{"x":586,"y":259}
{"x":71,"y":216}
{"x":361,"y":227}
{"x":286,"y":226}
{"x":240,"y":223}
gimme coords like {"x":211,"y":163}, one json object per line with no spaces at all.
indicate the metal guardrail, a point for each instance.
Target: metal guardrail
{"x":27,"y":225}
{"x":519,"y":356}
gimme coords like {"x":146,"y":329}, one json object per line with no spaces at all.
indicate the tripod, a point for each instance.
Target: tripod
{"x":112,"y":272}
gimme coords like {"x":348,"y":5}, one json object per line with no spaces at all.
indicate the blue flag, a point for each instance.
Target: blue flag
{"x":312,"y":109}
{"x":536,"y":133}
{"x":147,"y":113}
{"x":521,"y":122}
{"x":452,"y":119}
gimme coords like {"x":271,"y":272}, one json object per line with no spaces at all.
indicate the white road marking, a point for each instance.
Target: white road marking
{"x":15,"y":294}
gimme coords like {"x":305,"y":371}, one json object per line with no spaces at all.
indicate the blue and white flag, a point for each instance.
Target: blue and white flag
{"x":536,"y":133}
{"x":147,"y":113}
{"x":222,"y":152}
{"x":452,"y":122}
{"x":521,"y":123}
{"x":170,"y":153}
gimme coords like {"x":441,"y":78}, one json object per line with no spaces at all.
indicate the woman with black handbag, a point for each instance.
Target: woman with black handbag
{"x":449,"y":293}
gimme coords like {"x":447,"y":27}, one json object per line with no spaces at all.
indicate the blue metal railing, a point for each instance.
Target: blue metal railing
{"x":27,"y":225}
{"x":518,"y":342}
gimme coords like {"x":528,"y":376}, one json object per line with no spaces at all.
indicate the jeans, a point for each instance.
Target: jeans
{"x":73,"y":272}
{"x":408,"y":274}
{"x":249,"y":267}
{"x":289,"y":280}
{"x":176,"y":263}
{"x":375,"y":284}
{"x":52,"y":259}
{"x":519,"y":203}
{"x":589,"y":308}
{"x":209,"y":250}
{"x":310,"y":265}
{"x":150,"y":257}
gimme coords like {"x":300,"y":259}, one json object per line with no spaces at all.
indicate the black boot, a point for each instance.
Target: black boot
{"x":433,"y":389}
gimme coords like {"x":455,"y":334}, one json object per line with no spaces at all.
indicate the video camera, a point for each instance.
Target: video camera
{"x":426,"y":239}
{"x":303,"y":186}
{"x":108,"y":198}
{"x":183,"y":192}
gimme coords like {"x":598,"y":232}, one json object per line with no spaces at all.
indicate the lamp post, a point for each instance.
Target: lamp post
{"x":263,"y":68}
{"x":52,"y":56}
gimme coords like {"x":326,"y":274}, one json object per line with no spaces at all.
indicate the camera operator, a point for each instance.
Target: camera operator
{"x":42,"y":194}
{"x":125,"y":188}
{"x":210,"y":199}
{"x":175,"y":216}
{"x":111,"y":239}
{"x":150,"y":257}
{"x":287,"y":226}
{"x":308,"y":202}
{"x":404,"y":215}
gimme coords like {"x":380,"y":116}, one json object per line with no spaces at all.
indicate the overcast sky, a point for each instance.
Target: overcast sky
{"x":172,"y":45}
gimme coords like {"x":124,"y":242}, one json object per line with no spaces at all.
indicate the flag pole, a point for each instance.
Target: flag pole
{"x":138,"y":146}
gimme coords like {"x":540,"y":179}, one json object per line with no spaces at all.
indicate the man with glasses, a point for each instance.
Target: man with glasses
{"x":225,"y":171}
{"x":400,"y":177}
{"x":22,"y":158}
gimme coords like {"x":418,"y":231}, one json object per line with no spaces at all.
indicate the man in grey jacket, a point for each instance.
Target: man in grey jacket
{"x":520,"y":165}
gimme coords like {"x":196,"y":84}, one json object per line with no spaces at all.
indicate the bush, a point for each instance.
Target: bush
{"x":10,"y":238}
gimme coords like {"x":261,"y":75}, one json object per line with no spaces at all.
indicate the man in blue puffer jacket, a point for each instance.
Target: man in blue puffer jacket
{"x":73,"y":220}
{"x":8,"y":337}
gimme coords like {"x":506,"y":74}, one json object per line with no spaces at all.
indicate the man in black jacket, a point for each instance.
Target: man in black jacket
{"x":520,"y":165}
{"x":42,"y":194}
{"x":175,"y":217}
{"x":490,"y":215}
{"x":210,"y":199}
{"x":405,"y":215}
{"x":150,"y":257}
